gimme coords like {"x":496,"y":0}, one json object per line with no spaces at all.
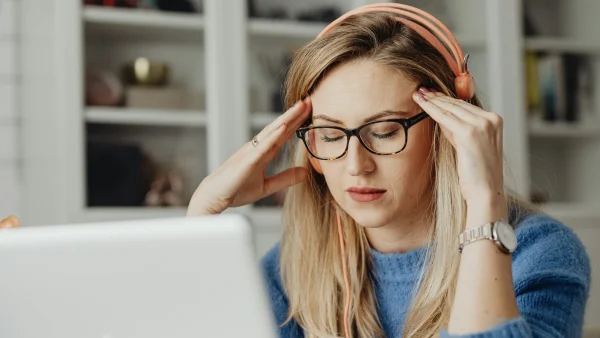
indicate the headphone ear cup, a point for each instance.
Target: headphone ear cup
{"x":464,"y":85}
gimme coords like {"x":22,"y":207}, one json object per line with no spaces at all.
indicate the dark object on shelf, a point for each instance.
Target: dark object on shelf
{"x":117,"y":175}
{"x":528,"y":26}
{"x":146,"y":72}
{"x":251,"y":7}
{"x":183,"y":6}
{"x":112,"y":3}
{"x":276,"y":13}
{"x":571,"y":66}
{"x":558,"y":86}
{"x":148,"y":4}
{"x":326,"y":14}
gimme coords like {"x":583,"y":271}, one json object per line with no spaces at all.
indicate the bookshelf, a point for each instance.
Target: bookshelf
{"x":195,"y":140}
{"x":545,"y":129}
{"x":562,"y":45}
{"x":564,"y":156}
{"x":152,"y":117}
{"x":130,"y":24}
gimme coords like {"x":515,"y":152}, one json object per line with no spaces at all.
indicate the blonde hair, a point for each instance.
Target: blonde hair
{"x":310,"y":260}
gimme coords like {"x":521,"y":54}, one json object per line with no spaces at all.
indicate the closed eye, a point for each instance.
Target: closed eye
{"x":330,"y":139}
{"x":384,"y":136}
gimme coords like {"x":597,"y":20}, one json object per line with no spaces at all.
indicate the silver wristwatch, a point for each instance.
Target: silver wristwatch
{"x":500,"y":232}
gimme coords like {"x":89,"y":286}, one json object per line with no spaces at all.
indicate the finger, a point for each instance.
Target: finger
{"x":455,"y":109}
{"x":300,"y":120}
{"x":294,"y":116}
{"x":461,"y":103}
{"x":9,"y":222}
{"x":444,"y":117}
{"x":291,"y":130}
{"x":270,"y":143}
{"x":285,"y":179}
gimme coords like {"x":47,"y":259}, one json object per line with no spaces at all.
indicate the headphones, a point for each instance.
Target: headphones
{"x":440,"y":37}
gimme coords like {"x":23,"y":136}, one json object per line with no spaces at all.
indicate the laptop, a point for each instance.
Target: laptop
{"x":179,"y":277}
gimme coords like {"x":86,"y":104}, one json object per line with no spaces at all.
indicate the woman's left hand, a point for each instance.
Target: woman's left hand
{"x":477,"y":137}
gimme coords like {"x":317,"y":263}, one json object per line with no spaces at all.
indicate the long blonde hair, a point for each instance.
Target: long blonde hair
{"x":310,"y":260}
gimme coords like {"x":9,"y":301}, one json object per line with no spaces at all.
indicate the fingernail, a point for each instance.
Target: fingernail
{"x":424,"y":90}
{"x":433,"y":90}
{"x":420,"y":97}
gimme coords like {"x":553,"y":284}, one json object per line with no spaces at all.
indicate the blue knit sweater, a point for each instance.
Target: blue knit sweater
{"x":551,"y":275}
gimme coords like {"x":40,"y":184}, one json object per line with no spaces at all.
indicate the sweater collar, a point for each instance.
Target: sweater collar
{"x":398,"y":266}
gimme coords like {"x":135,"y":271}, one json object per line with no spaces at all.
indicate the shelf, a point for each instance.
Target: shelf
{"x":561,"y":45}
{"x":297,"y":30}
{"x":261,"y":120}
{"x":145,"y":117}
{"x":122,"y":23}
{"x":574,"y":215}
{"x":102,"y":214}
{"x":306,"y":31}
{"x":563,"y":129}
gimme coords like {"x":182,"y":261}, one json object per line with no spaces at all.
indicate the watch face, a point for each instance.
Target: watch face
{"x":506,"y":236}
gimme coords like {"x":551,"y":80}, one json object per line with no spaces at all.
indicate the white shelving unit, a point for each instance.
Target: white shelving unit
{"x":193,"y":45}
{"x":142,"y":24}
{"x":564,"y":157}
{"x":269,"y":28}
{"x":561,"y":45}
{"x":152,"y":117}
{"x":564,"y":129}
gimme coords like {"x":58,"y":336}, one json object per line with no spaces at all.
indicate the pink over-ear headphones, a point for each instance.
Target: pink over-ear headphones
{"x":440,"y":37}
{"x":432,"y":30}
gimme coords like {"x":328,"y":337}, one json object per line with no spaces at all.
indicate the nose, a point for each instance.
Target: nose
{"x":358,"y":159}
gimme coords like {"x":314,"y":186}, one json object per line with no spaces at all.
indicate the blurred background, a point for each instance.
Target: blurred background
{"x":117,"y":109}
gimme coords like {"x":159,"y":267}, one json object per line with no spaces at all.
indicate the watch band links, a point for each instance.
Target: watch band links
{"x":474,"y":234}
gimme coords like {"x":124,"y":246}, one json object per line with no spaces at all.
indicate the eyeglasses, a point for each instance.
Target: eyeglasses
{"x":378,"y":137}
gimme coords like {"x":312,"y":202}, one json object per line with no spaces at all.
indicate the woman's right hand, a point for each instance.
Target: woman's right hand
{"x":241,"y":179}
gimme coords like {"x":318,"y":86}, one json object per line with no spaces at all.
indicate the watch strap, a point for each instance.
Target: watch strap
{"x":471,"y":235}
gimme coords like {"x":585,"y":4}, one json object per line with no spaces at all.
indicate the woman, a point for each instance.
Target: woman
{"x":373,"y":222}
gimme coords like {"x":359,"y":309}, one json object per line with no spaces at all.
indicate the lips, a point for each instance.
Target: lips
{"x":365,"y":194}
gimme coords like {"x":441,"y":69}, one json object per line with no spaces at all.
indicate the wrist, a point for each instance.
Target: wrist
{"x":486,"y":209}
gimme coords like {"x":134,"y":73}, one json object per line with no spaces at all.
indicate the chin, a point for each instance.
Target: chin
{"x":373,"y":218}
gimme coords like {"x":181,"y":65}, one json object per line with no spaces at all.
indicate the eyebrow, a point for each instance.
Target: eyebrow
{"x":385,"y":113}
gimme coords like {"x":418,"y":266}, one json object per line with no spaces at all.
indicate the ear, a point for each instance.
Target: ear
{"x":315,"y":164}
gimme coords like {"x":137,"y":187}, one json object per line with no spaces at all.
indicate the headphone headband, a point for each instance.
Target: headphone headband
{"x":432,"y":30}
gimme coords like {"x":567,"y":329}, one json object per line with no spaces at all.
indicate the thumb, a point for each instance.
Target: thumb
{"x":285,"y":179}
{"x":9,"y":222}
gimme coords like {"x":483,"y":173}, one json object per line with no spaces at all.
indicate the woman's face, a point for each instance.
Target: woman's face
{"x":375,"y":190}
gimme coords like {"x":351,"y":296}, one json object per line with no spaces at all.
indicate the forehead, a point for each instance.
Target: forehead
{"x":356,"y":90}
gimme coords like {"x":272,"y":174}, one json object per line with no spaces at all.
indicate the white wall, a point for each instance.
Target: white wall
{"x":9,"y":108}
